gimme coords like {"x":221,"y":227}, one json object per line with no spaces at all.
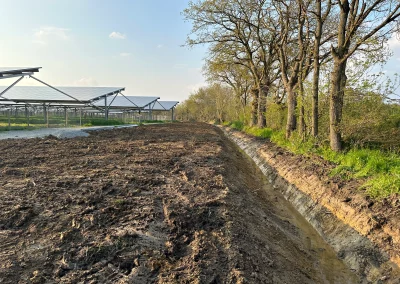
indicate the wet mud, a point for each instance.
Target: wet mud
{"x":168,"y":203}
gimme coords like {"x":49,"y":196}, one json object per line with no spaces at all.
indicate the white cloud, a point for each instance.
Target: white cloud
{"x":160,"y":46}
{"x":47,"y":33}
{"x":117,"y":35}
{"x":86,"y":82}
{"x":125,"y":54}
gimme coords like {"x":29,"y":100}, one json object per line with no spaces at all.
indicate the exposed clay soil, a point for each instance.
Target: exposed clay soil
{"x":377,"y":220}
{"x":172,"y":203}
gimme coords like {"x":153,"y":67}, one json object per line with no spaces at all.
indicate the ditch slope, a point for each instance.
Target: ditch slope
{"x":169,"y":203}
{"x":365,"y":233}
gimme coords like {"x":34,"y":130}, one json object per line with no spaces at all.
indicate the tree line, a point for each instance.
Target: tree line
{"x":294,"y":64}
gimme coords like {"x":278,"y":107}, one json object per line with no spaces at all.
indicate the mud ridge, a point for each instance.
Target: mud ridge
{"x":364,"y":233}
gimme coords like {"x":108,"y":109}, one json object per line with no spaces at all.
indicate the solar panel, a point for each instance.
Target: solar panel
{"x":4,"y":102}
{"x":46,"y":94}
{"x":128,"y":102}
{"x":164,"y":105}
{"x":17,"y":70}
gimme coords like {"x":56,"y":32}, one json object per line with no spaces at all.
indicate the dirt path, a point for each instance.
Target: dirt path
{"x":173,"y":203}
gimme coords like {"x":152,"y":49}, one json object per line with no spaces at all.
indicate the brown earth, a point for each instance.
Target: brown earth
{"x":171,"y":203}
{"x":376,"y":220}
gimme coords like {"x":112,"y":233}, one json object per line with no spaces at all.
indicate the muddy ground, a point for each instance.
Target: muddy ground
{"x":171,"y":203}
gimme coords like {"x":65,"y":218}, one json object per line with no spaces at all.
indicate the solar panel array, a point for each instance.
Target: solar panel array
{"x":47,"y":94}
{"x":87,"y":97}
{"x":127,"y":102}
{"x":5,"y":102}
{"x":165,"y":105}
{"x":18,"y":70}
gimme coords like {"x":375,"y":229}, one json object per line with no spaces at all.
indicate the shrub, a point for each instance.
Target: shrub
{"x":258,"y":132}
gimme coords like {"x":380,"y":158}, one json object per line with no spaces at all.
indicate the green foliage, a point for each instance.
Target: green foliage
{"x":383,"y":185}
{"x":4,"y":127}
{"x":295,"y":144}
{"x":103,"y":122}
{"x":276,"y":115}
{"x":35,"y":122}
{"x":216,"y":103}
{"x":370,"y":122}
{"x":366,"y":162}
{"x":258,"y":132}
{"x":238,"y":125}
{"x":367,"y":122}
{"x":152,"y":121}
{"x":343,"y":172}
{"x":379,"y":170}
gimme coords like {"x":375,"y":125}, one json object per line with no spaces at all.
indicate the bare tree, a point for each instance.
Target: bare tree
{"x":238,"y":25}
{"x":362,"y":24}
{"x":320,"y":18}
{"x":292,"y":47}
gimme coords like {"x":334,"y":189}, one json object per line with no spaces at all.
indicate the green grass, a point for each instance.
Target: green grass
{"x":152,"y":121}
{"x":35,"y":122}
{"x":103,"y":122}
{"x":381,"y":169}
{"x":258,"y":132}
{"x":17,"y":127}
{"x":238,"y":125}
{"x":378,"y":171}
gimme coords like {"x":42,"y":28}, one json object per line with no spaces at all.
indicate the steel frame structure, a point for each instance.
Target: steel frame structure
{"x":6,"y":73}
{"x":71,"y":101}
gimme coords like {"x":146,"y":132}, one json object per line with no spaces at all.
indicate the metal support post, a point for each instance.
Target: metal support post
{"x":44,"y":113}
{"x":27,"y":115}
{"x":47,"y":117}
{"x":106,"y":108}
{"x":66,"y":117}
{"x":9,"y":118}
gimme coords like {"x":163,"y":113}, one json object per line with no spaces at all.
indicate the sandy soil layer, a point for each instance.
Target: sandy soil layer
{"x":364,"y":232}
{"x":172,"y":203}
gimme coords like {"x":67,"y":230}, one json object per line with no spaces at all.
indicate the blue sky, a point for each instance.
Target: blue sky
{"x":133,"y":44}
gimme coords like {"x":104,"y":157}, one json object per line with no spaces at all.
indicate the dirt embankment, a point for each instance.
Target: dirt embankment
{"x":363,"y":232}
{"x":174,"y":203}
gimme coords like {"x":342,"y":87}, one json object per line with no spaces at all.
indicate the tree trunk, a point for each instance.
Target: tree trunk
{"x":262,"y":122}
{"x":302,"y":122}
{"x":315,"y":90}
{"x":315,"y":83}
{"x":254,"y":107}
{"x":338,"y":83}
{"x":291,"y":118}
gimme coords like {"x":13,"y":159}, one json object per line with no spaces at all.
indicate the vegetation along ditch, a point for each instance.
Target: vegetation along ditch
{"x":363,"y":231}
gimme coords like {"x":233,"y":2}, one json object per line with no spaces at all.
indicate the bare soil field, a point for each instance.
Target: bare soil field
{"x":168,"y":203}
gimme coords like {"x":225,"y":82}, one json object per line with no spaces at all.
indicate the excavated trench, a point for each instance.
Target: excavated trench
{"x":326,"y":226}
{"x":329,"y":266}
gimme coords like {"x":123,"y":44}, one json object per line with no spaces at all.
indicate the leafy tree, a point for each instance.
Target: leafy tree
{"x":363,"y":25}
